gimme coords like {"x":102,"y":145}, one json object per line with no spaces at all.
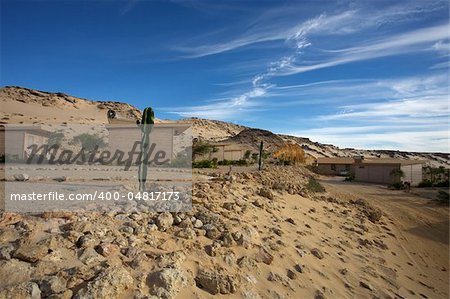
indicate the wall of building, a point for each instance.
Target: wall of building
{"x":376,"y":173}
{"x":12,"y":143}
{"x":124,"y":138}
{"x":327,"y":169}
{"x":413,"y":174}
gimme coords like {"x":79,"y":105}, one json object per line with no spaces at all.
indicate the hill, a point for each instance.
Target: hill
{"x":24,"y":105}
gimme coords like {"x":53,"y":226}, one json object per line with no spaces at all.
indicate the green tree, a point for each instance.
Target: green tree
{"x":89,"y":141}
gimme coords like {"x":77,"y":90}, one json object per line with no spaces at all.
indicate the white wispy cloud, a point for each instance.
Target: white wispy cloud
{"x":436,"y":140}
{"x":398,"y":44}
{"x":409,"y":113}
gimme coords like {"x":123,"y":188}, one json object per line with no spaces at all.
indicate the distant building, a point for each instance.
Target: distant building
{"x":227,"y":151}
{"x":163,"y":136}
{"x":335,"y":166}
{"x":386,"y":171}
{"x":373,"y":170}
{"x":19,"y":138}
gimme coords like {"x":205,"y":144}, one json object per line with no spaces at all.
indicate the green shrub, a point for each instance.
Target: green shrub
{"x":203,"y":164}
{"x":247,"y":154}
{"x":425,"y":183}
{"x":312,"y":168}
{"x":55,"y":138}
{"x":314,"y":186}
{"x":180,"y":161}
{"x":89,"y":141}
{"x":397,"y":186}
{"x":349,"y":178}
{"x":442,"y":184}
{"x":241,"y":162}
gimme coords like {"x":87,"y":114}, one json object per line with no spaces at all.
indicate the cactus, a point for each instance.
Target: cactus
{"x":260,"y":155}
{"x":148,"y":119}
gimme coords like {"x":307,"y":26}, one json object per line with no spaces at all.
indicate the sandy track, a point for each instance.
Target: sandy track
{"x":421,"y":227}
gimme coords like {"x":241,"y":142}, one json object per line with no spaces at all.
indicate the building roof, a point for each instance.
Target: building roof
{"x":369,"y":161}
{"x":335,"y":160}
{"x":37,"y":130}
{"x":391,"y":161}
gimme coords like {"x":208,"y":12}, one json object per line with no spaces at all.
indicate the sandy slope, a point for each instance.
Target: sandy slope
{"x":422,"y":234}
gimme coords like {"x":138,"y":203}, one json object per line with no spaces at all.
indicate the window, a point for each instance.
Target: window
{"x":347,"y":166}
{"x":333,"y":166}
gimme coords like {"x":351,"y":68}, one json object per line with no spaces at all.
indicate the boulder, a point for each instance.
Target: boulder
{"x":110,"y":283}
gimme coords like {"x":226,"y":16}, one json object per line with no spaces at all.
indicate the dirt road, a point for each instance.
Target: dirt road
{"x":422,"y":228}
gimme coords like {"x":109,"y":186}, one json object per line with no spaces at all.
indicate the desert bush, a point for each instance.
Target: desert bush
{"x":349,"y":178}
{"x":89,"y":141}
{"x":203,"y":164}
{"x":397,"y":186}
{"x":241,"y":162}
{"x":314,"y":186}
{"x":425,"y":183}
{"x":374,"y":214}
{"x":181,"y":160}
{"x":201,"y":148}
{"x":247,"y":154}
{"x":442,"y":184}
{"x":291,"y":153}
{"x":55,"y":138}
{"x":312,"y":168}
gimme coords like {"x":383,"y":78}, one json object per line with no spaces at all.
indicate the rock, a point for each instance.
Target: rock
{"x":87,"y":241}
{"x":164,"y":221}
{"x":187,"y":233}
{"x":291,"y":274}
{"x":229,"y":258}
{"x":24,"y":290}
{"x":319,"y":295}
{"x":264,"y":256}
{"x":6,"y":251}
{"x":52,"y":285}
{"x":265,"y":192}
{"x":317,"y":253}
{"x":90,"y":256}
{"x":107,"y":249}
{"x":274,"y":277}
{"x":67,"y":294}
{"x":21,"y":177}
{"x":14,"y":271}
{"x":290,"y":220}
{"x":60,"y":179}
{"x":258,"y":203}
{"x":366,"y":285}
{"x":168,"y":282}
{"x":249,"y":237}
{"x":227,"y":239}
{"x":29,"y":251}
{"x":228,"y":205}
{"x":247,"y":262}
{"x":374,"y":214}
{"x":198,"y":223}
{"x":211,"y":231}
{"x":298,"y":268}
{"x":110,"y":283}
{"x":216,"y":282}
{"x":212,"y":249}
{"x":175,"y":258}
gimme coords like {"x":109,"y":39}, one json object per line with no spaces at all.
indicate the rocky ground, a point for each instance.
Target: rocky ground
{"x":250,"y":234}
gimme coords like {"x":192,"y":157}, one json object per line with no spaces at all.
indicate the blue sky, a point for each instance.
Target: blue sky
{"x":365,"y":74}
